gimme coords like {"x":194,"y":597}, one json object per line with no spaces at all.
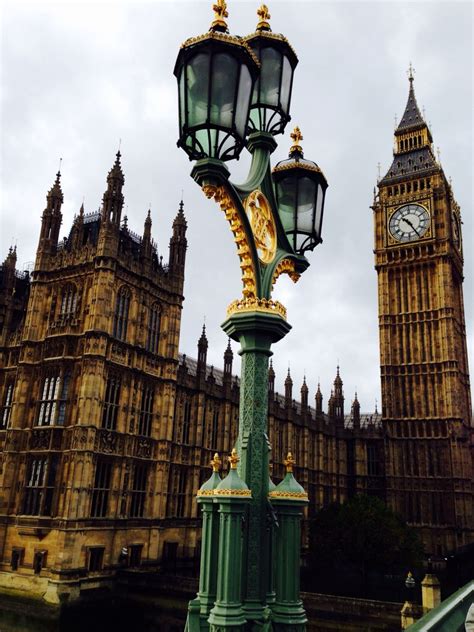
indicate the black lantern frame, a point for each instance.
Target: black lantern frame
{"x":216,"y":74}
{"x":300,"y":190}
{"x":271,"y":98}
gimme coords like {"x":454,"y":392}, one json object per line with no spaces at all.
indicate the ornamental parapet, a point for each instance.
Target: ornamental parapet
{"x":267,"y":306}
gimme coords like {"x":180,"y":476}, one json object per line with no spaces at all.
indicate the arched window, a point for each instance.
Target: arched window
{"x":153,"y":334}
{"x":121,"y":313}
{"x":53,"y":400}
{"x":68,"y":301}
{"x":6,"y":409}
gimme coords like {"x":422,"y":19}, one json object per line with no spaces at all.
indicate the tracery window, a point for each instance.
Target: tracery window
{"x":111,"y":403}
{"x":39,"y":486}
{"x":121,"y":314}
{"x":153,"y":333}
{"x":214,"y":429}
{"x":138,"y":491}
{"x":146,"y":411}
{"x":101,"y":489}
{"x":52,"y":404}
{"x":6,"y":409}
{"x":68,"y":301}
{"x":186,"y":423}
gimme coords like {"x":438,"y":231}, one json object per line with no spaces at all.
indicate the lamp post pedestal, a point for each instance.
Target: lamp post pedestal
{"x":256,"y":331}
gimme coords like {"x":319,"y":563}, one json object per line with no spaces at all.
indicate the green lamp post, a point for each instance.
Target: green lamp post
{"x":235,"y":92}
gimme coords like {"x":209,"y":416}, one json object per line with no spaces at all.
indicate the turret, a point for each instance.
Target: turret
{"x":288,"y":390}
{"x":112,"y":201}
{"x":146,"y":240}
{"x":338,"y":397}
{"x":178,"y":243}
{"x":271,"y":382}
{"x":202,"y":353}
{"x":356,"y":412}
{"x":228,"y":359}
{"x":77,"y":235}
{"x":304,"y":396}
{"x":51,"y":221}
{"x":319,"y":401}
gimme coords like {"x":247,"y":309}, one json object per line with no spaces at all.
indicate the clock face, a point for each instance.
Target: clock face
{"x":409,"y":222}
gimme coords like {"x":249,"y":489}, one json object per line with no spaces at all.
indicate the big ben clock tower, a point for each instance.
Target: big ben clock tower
{"x":423,"y":356}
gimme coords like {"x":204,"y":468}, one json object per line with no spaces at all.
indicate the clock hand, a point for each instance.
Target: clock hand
{"x":411,"y":225}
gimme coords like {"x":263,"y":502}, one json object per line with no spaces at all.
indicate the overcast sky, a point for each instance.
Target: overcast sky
{"x":77,"y":77}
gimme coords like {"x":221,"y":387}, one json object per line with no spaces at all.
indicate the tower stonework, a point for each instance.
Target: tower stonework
{"x":426,"y":407}
{"x":88,"y":366}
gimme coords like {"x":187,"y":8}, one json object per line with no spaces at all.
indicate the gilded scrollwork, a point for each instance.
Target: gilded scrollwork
{"x":286,"y":266}
{"x":243,"y":250}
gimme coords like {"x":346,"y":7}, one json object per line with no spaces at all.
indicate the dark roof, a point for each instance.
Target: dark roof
{"x":418,"y":161}
{"x":367,"y":420}
{"x":412,"y":117}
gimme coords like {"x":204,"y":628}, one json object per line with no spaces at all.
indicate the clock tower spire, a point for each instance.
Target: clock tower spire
{"x":426,"y":405}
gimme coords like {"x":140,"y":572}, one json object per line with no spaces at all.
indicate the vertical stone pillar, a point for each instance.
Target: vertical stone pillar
{"x":233,"y":495}
{"x":200,"y":607}
{"x":430,"y":592}
{"x":288,"y":498}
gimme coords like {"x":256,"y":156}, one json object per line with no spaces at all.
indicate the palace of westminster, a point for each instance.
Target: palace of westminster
{"x":107,"y":430}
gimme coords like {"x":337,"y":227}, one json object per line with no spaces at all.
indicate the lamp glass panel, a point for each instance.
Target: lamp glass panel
{"x":270,"y":76}
{"x":243,"y":98}
{"x":306,"y":195}
{"x":286,"y":85}
{"x":224,"y":85}
{"x":197,"y":78}
{"x":182,"y":99}
{"x":286,"y":194}
{"x":319,"y":210}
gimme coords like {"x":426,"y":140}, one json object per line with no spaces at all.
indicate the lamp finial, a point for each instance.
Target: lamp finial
{"x":220,"y":13}
{"x":216,"y":463}
{"x":296,"y":136}
{"x":233,"y":459}
{"x":264,"y":17}
{"x":289,"y":462}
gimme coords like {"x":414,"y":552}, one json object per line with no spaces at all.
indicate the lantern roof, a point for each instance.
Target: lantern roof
{"x":296,"y":158}
{"x":226,"y":38}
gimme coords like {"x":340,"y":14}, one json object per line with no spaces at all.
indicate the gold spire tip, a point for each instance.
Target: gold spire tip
{"x":220,"y":13}
{"x":264,"y":17}
{"x":296,"y":136}
{"x":216,"y":463}
{"x":289,"y":462}
{"x":233,"y":459}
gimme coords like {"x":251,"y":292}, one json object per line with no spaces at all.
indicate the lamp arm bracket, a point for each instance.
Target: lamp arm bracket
{"x":258,"y":170}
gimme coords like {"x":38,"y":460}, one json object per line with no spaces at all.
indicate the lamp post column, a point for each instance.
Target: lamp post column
{"x":255,"y":331}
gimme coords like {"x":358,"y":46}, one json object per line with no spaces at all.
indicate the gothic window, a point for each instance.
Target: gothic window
{"x":372,"y":460}
{"x":121,"y":314}
{"x":101,"y":489}
{"x":186,"y":423}
{"x":68,"y":301}
{"x":146,"y":411}
{"x":153,"y":334}
{"x":181,"y":494}
{"x":39,"y":486}
{"x":111,"y":403}
{"x":214,"y":429}
{"x":177,"y":493}
{"x":6,"y":409}
{"x":138,"y":491}
{"x":52,"y":404}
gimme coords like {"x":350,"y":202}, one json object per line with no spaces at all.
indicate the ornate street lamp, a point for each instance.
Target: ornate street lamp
{"x":233,"y":92}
